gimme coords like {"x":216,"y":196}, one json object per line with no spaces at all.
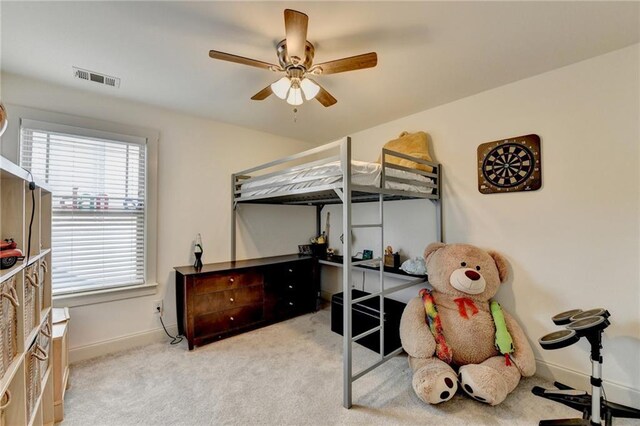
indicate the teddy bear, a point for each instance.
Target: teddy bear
{"x":452,"y":328}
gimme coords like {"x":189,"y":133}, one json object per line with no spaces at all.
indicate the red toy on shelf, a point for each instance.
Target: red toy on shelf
{"x":9,"y":253}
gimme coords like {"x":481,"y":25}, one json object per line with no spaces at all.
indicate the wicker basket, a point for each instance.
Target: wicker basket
{"x":44,"y":341}
{"x":33,"y":360}
{"x":8,"y":323}
{"x":31,"y":286}
{"x":4,"y":403}
{"x":42,"y":278}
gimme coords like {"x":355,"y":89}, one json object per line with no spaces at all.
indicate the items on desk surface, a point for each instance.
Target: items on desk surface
{"x":415,"y":266}
{"x":318,"y":250}
{"x":391,"y":259}
{"x":318,"y":246}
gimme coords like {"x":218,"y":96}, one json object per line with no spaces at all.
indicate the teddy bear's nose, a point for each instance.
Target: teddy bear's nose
{"x":472,"y":275}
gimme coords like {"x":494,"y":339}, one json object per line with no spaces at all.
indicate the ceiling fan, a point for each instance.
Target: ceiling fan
{"x":295,"y":55}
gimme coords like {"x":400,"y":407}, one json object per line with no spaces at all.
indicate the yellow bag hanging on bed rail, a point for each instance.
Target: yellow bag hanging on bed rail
{"x":413,"y":144}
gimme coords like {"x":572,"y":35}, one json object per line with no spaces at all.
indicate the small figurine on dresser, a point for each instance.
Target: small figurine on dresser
{"x":391,"y":259}
{"x":197,"y":252}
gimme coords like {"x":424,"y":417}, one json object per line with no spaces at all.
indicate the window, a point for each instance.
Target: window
{"x":99,"y":203}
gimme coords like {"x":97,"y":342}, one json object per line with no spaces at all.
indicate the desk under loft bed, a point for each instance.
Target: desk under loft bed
{"x":327,"y":175}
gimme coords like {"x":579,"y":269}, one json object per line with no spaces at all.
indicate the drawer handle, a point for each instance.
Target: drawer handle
{"x":12,"y":296}
{"x":231,"y":300}
{"x":33,"y":280}
{"x":231,"y":280}
{"x":46,"y":330}
{"x":231,"y":318}
{"x":6,"y":398}
{"x":39,"y":353}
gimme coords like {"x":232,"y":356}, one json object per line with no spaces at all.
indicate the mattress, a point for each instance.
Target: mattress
{"x":362,"y":173}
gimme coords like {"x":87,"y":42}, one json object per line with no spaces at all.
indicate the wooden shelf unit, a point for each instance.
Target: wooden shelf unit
{"x":28,"y":378}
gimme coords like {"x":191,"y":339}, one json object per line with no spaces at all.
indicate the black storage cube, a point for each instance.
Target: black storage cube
{"x":365,"y":316}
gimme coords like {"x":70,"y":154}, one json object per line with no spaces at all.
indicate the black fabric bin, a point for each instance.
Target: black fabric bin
{"x":365,"y":316}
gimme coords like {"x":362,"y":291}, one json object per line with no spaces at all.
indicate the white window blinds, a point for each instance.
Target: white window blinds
{"x":98,"y":185}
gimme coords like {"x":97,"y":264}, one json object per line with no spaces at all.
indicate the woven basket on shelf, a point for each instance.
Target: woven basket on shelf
{"x":4,"y":403}
{"x":43,"y":342}
{"x":33,"y":359}
{"x":8,"y":324}
{"x":42,"y":278}
{"x":31,"y":286}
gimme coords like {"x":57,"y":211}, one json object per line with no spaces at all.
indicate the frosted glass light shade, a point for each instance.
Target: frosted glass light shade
{"x":295,"y":96}
{"x":309,"y":88}
{"x":281,"y":87}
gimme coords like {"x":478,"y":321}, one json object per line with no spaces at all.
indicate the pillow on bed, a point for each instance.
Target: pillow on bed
{"x":413,"y":144}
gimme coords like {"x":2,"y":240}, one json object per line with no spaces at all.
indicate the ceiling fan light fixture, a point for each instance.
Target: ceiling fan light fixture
{"x":295,"y":56}
{"x":309,"y":88}
{"x":281,"y":87}
{"x":295,"y":96}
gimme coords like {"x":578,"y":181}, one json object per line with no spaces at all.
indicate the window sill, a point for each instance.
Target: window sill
{"x":103,"y":296}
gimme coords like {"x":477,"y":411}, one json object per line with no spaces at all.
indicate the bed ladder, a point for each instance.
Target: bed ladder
{"x":349,"y":302}
{"x":348,"y":339}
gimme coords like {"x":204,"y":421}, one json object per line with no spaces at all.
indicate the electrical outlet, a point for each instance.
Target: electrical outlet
{"x":157,"y":307}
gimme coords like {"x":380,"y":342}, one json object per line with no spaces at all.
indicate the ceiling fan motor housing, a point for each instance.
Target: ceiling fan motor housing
{"x":286,"y":61}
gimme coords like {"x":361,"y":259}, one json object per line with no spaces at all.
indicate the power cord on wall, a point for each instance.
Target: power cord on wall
{"x":174,"y":339}
{"x":32,"y":188}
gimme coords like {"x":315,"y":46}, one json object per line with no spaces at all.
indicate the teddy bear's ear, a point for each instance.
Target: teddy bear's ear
{"x":432,"y":248}
{"x":501,"y":263}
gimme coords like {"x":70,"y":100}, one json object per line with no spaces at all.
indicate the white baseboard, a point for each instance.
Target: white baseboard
{"x":122,"y":343}
{"x":616,"y":392}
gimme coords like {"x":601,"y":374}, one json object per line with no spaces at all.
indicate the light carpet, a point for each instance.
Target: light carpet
{"x":285,"y":374}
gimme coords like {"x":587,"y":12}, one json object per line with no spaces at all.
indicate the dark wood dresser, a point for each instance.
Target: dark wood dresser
{"x":227,"y":298}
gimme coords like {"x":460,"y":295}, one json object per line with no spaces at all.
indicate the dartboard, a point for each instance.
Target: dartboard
{"x":509,"y":165}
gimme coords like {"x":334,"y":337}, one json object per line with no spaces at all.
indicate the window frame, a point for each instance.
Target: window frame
{"x":104,"y":129}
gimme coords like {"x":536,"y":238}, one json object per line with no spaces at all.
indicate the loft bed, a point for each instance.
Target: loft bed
{"x":328,"y":175}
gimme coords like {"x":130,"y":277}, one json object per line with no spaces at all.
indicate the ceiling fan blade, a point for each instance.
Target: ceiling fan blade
{"x":368,"y":60}
{"x":239,"y":59}
{"x":263,"y":94}
{"x":295,"y":25}
{"x":325,"y":97}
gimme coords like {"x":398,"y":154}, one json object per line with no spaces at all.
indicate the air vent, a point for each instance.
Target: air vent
{"x":96,"y":77}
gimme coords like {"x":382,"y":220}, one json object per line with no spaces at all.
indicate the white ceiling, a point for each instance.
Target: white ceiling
{"x":429,"y":53}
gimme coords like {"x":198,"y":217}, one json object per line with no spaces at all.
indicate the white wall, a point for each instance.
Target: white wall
{"x":575,"y":242}
{"x":196,"y":159}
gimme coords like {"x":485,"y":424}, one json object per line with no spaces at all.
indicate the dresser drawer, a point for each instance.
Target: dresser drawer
{"x":288,"y":306}
{"x":226,"y":281}
{"x":218,"y":322}
{"x":228,"y":299}
{"x":296,"y":270}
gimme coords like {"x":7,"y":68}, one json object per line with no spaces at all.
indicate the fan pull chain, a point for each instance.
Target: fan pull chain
{"x":295,"y":115}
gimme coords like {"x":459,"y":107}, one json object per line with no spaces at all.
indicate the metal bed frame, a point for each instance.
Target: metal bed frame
{"x":343,"y":191}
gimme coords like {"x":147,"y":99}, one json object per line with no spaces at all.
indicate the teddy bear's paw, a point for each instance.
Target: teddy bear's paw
{"x":483,"y":383}
{"x":435,"y":388}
